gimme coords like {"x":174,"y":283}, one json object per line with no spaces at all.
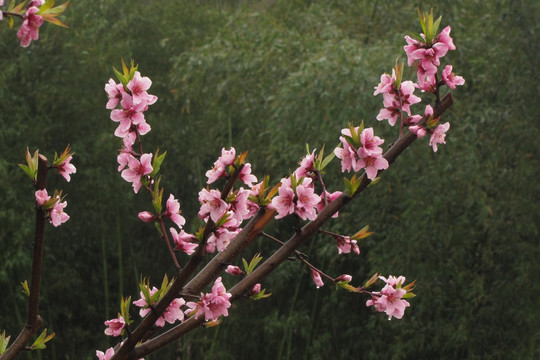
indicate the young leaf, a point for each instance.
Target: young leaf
{"x":4,"y":341}
{"x":156,"y":163}
{"x":25,"y":288}
{"x":260,"y":295}
{"x":252,"y":264}
{"x":40,"y":342}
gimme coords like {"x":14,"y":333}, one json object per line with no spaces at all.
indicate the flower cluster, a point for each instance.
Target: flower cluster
{"x":29,"y":29}
{"x":170,"y":315}
{"x":425,"y":54}
{"x":397,"y":97}
{"x":390,"y":298}
{"x":361,"y":150}
{"x":54,"y":205}
{"x":296,"y":196}
{"x":213,"y":304}
{"x":134,"y":100}
{"x":228,"y":212}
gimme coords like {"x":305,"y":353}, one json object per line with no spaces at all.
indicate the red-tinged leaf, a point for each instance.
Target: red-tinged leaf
{"x":43,"y":8}
{"x":19,"y":9}
{"x":53,"y":20}
{"x":57,"y":10}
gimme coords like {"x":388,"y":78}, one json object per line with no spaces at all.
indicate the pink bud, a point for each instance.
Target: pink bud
{"x":42,"y":197}
{"x":146,"y":216}
{"x":316,"y":276}
{"x":345,"y":278}
{"x":234,"y":270}
{"x":256,"y":289}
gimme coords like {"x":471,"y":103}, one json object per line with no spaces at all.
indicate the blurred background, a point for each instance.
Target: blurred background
{"x":268,"y":77}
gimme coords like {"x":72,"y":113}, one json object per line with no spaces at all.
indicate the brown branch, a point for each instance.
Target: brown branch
{"x":178,"y":285}
{"x":33,"y":321}
{"x":204,"y":277}
{"x":243,"y":239}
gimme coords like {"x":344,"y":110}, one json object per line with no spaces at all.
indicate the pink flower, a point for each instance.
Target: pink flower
{"x":238,"y":204}
{"x":170,"y":315}
{"x":42,"y":197}
{"x":213,"y":304}
{"x":218,"y":171}
{"x":246,"y":176}
{"x":444,"y":37}
{"x":138,"y":86}
{"x":211,"y":204}
{"x":130,"y":114}
{"x":438,"y":135}
{"x":234,"y":270}
{"x":57,"y":214}
{"x":183,"y":241}
{"x":284,"y":202}
{"x":114,"y":91}
{"x":370,"y":143}
{"x":329,"y":198}
{"x":30,"y":26}
{"x":115,"y":326}
{"x":386,"y":85}
{"x":108,"y":355}
{"x":136,"y":169}
{"x":105,"y":356}
{"x":222,"y":237}
{"x":316,"y":277}
{"x":451,"y":79}
{"x":145,"y":309}
{"x":306,"y":202}
{"x":227,"y":156}
{"x":66,"y":168}
{"x":345,"y":245}
{"x":173,"y":312}
{"x":306,"y":166}
{"x":347,"y":154}
{"x":389,"y":300}
{"x":173,"y":211}
{"x":373,"y":164}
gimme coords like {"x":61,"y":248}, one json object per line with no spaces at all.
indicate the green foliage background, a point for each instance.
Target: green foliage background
{"x":269,"y":76}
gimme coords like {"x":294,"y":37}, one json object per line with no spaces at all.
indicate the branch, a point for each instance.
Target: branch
{"x":204,"y":277}
{"x":178,"y":285}
{"x":33,"y":321}
{"x":253,"y":229}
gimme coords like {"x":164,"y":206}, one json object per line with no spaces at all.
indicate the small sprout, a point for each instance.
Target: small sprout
{"x":40,"y":342}
{"x":252,"y":264}
{"x":4,"y":341}
{"x":372,"y":281}
{"x":25,"y":288}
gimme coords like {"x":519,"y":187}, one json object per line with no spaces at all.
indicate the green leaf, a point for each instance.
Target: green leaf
{"x":40,"y":342}
{"x":120,"y":77}
{"x":25,"y":288}
{"x":4,"y":341}
{"x":327,"y":160}
{"x":156,"y":163}
{"x":157,"y":201}
{"x":260,"y":295}
{"x":252,"y":264}
{"x":408,"y":295}
{"x":43,"y":8}
{"x":124,"y":309}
